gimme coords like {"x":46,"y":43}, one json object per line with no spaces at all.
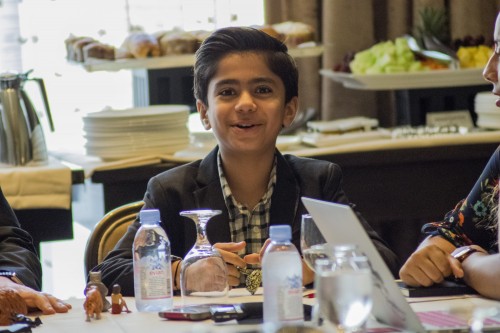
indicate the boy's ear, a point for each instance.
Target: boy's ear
{"x":290,"y":111}
{"x":202,"y":110}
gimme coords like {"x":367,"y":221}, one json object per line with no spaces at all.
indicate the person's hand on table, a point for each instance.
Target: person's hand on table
{"x":207,"y":274}
{"x":428,"y":265}
{"x":229,"y":252}
{"x":256,"y":258}
{"x":44,"y":302}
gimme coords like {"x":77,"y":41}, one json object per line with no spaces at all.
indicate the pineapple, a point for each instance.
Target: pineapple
{"x":434,"y":32}
{"x":433,"y":23}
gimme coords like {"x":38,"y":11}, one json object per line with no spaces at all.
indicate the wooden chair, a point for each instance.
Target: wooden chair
{"x":108,"y":231}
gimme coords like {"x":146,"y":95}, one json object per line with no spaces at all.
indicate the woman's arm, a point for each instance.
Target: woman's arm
{"x":481,"y":272}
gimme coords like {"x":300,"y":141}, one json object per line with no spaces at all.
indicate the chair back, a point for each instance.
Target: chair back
{"x":108,"y":231}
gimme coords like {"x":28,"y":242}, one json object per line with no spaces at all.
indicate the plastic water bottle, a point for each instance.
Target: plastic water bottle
{"x":152,"y":270}
{"x":282,"y":279}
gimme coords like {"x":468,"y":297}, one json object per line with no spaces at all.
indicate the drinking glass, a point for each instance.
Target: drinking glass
{"x":203,"y":271}
{"x":344,"y":292}
{"x":312,"y":242}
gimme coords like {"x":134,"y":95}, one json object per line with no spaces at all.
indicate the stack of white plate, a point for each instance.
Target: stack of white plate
{"x":488,"y":114}
{"x":119,"y":134}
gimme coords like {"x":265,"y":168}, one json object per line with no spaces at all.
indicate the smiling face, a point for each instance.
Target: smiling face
{"x":491,"y":70}
{"x":246,"y":105}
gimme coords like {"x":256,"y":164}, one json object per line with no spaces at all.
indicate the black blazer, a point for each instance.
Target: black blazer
{"x":197,"y":185}
{"x":17,"y":252}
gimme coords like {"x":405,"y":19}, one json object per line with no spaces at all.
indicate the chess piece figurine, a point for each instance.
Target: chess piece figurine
{"x":118,"y":303}
{"x":93,"y":303}
{"x":95,"y":280}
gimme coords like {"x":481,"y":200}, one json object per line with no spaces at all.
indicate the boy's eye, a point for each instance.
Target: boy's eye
{"x":263,"y":90}
{"x":226,"y":92}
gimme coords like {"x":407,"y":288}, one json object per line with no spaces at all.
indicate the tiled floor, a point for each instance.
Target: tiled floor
{"x":62,"y":265}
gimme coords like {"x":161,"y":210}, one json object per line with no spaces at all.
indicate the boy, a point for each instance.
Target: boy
{"x":246,"y":87}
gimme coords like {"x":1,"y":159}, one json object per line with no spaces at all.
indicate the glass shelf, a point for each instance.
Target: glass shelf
{"x":415,"y":80}
{"x":175,"y":61}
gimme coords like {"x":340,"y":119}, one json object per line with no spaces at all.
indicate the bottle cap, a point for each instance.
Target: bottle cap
{"x":149,"y":216}
{"x":280,"y":232}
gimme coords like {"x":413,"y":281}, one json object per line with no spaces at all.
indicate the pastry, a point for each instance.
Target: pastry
{"x":139,"y":45}
{"x":295,"y":33}
{"x":78,"y":45}
{"x":99,"y":51}
{"x":69,"y":45}
{"x":178,"y":42}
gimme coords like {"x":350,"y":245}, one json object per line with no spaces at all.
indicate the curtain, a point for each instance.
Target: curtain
{"x":353,"y":25}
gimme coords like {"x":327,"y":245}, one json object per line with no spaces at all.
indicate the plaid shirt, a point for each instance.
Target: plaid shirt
{"x":245,"y":225}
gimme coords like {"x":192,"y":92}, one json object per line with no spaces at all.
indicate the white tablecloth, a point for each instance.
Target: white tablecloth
{"x":144,"y":322}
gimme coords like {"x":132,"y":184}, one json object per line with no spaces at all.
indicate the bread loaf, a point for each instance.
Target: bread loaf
{"x":178,"y":42}
{"x":99,"y":51}
{"x":140,"y":45}
{"x":78,"y":46}
{"x":295,"y":33}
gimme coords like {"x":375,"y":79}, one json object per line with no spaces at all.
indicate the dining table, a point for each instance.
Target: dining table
{"x":460,"y":306}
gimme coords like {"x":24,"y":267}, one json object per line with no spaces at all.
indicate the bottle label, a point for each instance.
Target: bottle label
{"x":155,"y":277}
{"x":290,"y":299}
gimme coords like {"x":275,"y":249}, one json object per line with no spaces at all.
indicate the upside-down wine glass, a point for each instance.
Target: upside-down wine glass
{"x":312,"y":242}
{"x":203,"y":271}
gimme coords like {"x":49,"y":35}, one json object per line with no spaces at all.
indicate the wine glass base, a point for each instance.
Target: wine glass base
{"x":211,"y":294}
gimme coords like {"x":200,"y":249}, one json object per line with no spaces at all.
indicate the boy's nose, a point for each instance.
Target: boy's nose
{"x":246,"y":103}
{"x":490,"y":72}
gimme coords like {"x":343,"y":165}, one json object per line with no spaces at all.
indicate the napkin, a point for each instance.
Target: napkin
{"x":37,"y":186}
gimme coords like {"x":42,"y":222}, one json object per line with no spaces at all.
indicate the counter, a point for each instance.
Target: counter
{"x":41,"y":198}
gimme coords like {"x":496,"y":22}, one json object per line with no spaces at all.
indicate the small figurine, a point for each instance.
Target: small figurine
{"x":95,"y":280}
{"x":118,"y":304}
{"x":93,"y":303}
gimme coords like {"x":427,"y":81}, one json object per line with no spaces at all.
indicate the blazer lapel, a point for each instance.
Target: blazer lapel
{"x":285,"y":199}
{"x":209,"y":196}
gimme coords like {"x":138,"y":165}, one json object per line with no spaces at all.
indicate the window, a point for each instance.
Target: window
{"x":33,"y":33}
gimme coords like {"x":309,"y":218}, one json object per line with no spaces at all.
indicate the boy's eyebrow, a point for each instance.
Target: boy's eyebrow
{"x":253,"y":81}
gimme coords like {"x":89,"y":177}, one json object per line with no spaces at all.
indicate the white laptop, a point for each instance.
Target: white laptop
{"x":340,"y":225}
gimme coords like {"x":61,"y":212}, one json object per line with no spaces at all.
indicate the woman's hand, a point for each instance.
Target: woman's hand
{"x":430,"y":263}
{"x":44,"y":302}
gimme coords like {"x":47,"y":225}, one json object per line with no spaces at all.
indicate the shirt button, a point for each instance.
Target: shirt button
{"x":255,"y":229}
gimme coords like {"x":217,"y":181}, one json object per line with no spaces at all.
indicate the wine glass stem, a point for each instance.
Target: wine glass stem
{"x":201,"y":238}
